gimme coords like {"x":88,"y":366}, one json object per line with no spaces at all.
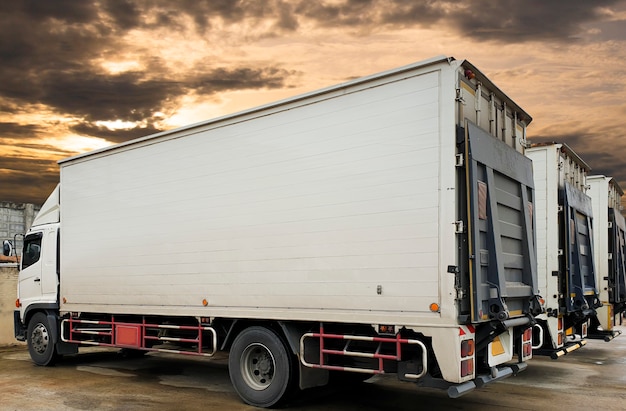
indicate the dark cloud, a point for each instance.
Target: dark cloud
{"x":98,"y":97}
{"x":51,"y":62}
{"x":125,"y":13}
{"x":503,"y":21}
{"x":30,"y":184}
{"x":222,"y":79}
{"x":364,"y":14}
{"x":519,"y":21}
{"x":48,"y":48}
{"x":12,"y":129}
{"x":51,"y":51}
{"x":114,"y":136}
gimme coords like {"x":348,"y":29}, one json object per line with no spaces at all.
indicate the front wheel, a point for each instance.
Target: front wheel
{"x":260,"y":366}
{"x":41,"y":345}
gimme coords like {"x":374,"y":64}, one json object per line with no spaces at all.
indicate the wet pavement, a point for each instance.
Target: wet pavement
{"x":100,"y":379}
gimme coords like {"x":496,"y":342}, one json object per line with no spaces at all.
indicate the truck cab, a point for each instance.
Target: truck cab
{"x":38,"y":279}
{"x":38,"y":285}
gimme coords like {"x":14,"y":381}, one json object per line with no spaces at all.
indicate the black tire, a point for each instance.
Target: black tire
{"x":41,"y":345}
{"x":261,"y":367}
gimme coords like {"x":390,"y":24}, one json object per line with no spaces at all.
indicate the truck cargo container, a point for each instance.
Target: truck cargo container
{"x":609,"y":253}
{"x":381,"y":225}
{"x":565,"y":265}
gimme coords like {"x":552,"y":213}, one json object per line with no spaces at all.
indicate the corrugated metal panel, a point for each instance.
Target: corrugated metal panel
{"x":502,"y":264}
{"x":581,"y":292}
{"x":617,"y":247}
{"x":306,"y":210}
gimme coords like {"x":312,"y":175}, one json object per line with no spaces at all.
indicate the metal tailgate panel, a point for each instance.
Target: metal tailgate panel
{"x":502,"y":260}
{"x":617,"y":245}
{"x":581,"y":277}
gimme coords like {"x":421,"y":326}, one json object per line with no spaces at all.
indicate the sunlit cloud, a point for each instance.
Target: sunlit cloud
{"x":98,"y":73}
{"x":75,"y":144}
{"x":117,"y":67}
{"x":117,"y":124}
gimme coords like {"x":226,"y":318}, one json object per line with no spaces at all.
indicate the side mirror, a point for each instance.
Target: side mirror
{"x":7,"y":248}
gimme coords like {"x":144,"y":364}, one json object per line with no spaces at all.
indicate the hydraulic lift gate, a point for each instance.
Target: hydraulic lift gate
{"x":580,"y":281}
{"x":501,"y":251}
{"x":617,"y":267}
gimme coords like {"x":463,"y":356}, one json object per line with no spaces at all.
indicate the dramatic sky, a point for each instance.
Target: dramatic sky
{"x":79,"y":75}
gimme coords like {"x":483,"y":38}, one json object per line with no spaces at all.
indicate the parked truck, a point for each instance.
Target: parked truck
{"x":383,"y":225}
{"x":565,"y":265}
{"x":610,"y":255}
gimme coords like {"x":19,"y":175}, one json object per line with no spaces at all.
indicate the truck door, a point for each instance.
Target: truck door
{"x":617,"y":248}
{"x":501,"y":243}
{"x":580,"y":281}
{"x":49,"y":264}
{"x":30,"y":274}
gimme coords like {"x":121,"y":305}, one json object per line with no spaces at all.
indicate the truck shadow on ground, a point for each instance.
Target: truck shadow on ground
{"x":211,"y":375}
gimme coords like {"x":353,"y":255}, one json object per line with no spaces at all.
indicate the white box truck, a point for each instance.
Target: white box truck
{"x":565,"y":265}
{"x":610,"y":255}
{"x":383,"y":225}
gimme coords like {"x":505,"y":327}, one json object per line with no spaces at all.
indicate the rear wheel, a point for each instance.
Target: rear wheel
{"x":261,"y":367}
{"x":41,"y":345}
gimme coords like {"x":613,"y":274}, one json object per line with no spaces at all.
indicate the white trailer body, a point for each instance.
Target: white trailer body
{"x":398,"y":202}
{"x":565,"y":265}
{"x":610,"y":253}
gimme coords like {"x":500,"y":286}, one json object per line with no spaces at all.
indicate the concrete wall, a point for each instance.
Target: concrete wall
{"x":16,"y":218}
{"x":8,"y":294}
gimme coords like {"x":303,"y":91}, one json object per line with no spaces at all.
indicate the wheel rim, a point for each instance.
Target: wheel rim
{"x":257,"y":366}
{"x":39,"y":338}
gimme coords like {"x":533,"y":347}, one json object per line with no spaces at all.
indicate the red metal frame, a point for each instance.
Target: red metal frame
{"x":397,"y":340}
{"x":109,"y":332}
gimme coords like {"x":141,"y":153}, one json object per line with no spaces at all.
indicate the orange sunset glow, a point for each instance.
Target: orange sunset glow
{"x":78,"y":76}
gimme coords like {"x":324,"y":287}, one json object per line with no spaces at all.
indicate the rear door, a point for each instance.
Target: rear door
{"x":580,"y":281}
{"x":617,"y":264}
{"x":501,"y":243}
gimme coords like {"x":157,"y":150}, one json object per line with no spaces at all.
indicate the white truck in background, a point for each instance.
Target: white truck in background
{"x":565,"y":235}
{"x":382,"y":225}
{"x":610,"y":255}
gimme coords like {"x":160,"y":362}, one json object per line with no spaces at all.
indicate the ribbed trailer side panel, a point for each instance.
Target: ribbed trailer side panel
{"x":329,"y":203}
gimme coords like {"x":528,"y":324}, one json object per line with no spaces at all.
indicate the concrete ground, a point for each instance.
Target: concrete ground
{"x":594,"y":377}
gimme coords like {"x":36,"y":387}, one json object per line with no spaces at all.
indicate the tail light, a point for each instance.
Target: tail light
{"x":467,"y":348}
{"x":527,"y":344}
{"x":560,"y":331}
{"x":467,"y":367}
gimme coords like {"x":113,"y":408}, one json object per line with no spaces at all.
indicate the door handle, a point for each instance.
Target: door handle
{"x":37,"y":280}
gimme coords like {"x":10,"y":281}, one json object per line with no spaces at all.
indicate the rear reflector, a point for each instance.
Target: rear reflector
{"x":467,"y":367}
{"x":467,"y":348}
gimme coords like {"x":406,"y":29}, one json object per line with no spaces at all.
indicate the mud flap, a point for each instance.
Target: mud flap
{"x":19,"y":328}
